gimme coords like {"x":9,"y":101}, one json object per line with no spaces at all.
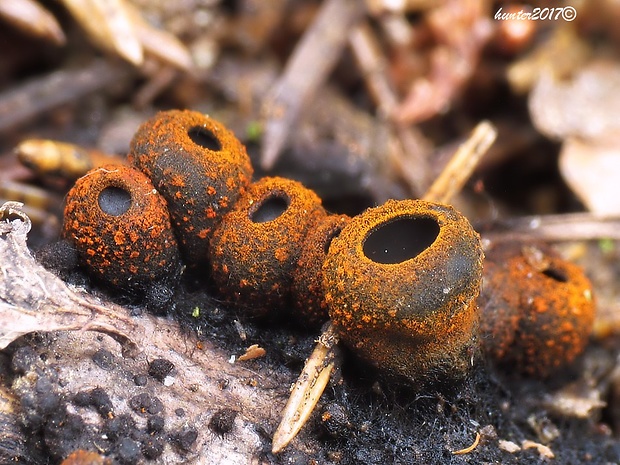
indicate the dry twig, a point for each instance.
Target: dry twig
{"x":108,"y":24}
{"x":412,"y":163}
{"x":38,"y":96}
{"x":307,"y":391}
{"x":461,"y":166}
{"x":32,"y":18}
{"x":554,"y":228}
{"x":306,"y":70}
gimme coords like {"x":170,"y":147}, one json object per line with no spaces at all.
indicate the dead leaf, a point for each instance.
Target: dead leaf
{"x":585,"y":106}
{"x":592,"y":168}
{"x":576,"y":400}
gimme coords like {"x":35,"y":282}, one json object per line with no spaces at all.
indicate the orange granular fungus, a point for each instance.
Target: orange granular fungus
{"x":537,"y":313}
{"x":85,"y":457}
{"x":271,"y":243}
{"x":100,"y":237}
{"x":198,"y":166}
{"x":254,"y":251}
{"x":307,"y":287}
{"x":416,"y":316}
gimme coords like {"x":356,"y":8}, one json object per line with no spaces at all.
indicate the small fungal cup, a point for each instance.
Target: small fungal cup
{"x":199,"y":167}
{"x":401,"y":282}
{"x":120,"y":227}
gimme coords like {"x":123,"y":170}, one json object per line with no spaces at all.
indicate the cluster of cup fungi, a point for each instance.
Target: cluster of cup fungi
{"x":401,"y":283}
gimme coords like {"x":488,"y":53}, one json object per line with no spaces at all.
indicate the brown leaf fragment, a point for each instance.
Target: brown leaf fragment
{"x":252,"y":352}
{"x":508,"y":446}
{"x":543,"y":451}
{"x":462,"y":29}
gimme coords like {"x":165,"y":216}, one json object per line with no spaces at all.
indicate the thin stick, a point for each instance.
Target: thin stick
{"x":413,"y":165}
{"x":367,"y":52}
{"x":461,"y":166}
{"x":307,"y":390}
{"x":554,"y":228}
{"x":23,"y":103}
{"x":314,"y":57}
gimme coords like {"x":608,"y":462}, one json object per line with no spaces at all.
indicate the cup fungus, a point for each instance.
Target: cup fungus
{"x":307,"y":290}
{"x":199,"y":167}
{"x":120,"y":227}
{"x":538,"y":309}
{"x":254,"y":250}
{"x":401,"y":282}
